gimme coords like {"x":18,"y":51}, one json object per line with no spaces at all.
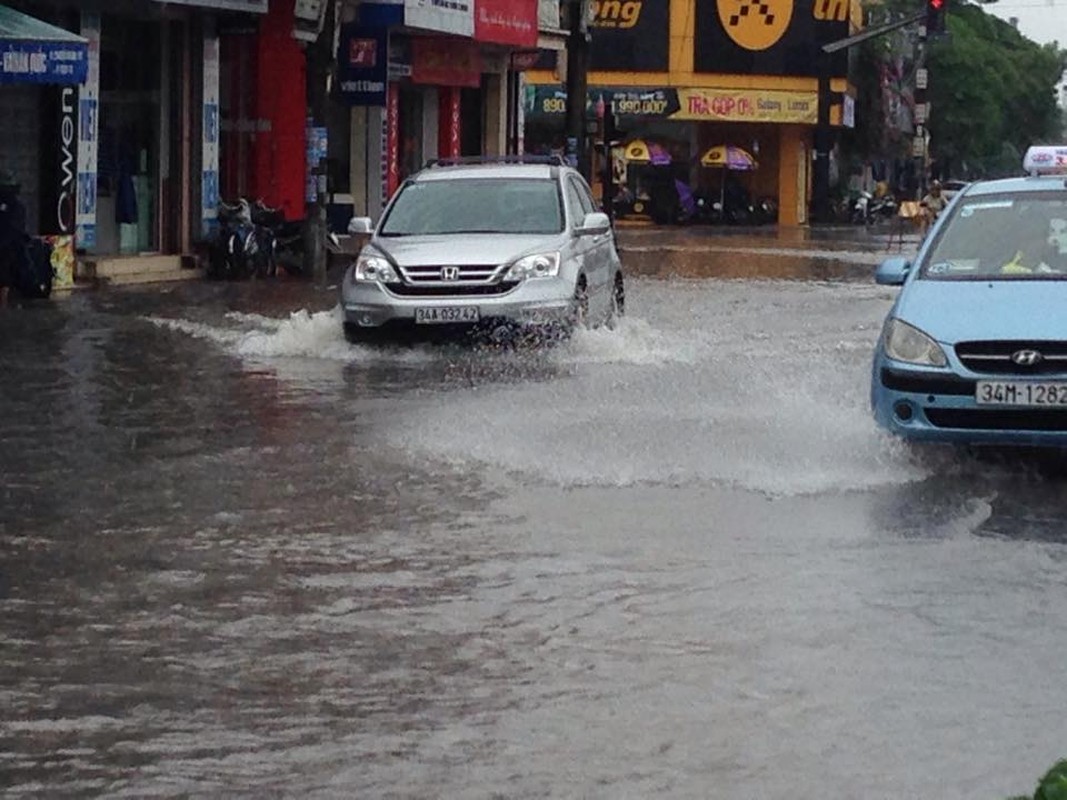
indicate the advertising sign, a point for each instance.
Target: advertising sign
{"x":447,"y":16}
{"x":209,"y":192}
{"x":88,"y":133}
{"x":42,"y":62}
{"x":317,"y":150}
{"x":59,"y":164}
{"x":362,"y":65}
{"x":512,"y":22}
{"x":630,"y":35}
{"x":769,"y":37}
{"x":748,"y":105}
{"x":444,"y":61}
{"x":625,"y":101}
{"x":256,"y":6}
{"x":723,"y":105}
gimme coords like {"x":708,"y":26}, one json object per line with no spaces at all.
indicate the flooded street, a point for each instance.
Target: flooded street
{"x":240,"y":557}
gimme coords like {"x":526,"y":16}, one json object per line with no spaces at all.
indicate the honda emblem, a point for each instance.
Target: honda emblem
{"x":450,"y":273}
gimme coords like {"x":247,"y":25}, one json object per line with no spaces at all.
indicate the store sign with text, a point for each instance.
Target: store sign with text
{"x":362,"y":65}
{"x":443,"y":61}
{"x":256,"y":6}
{"x":447,"y":16}
{"x":721,"y":105}
{"x":748,"y":105}
{"x":512,"y":22}
{"x":769,"y":37}
{"x":630,"y":35}
{"x":636,"y":101}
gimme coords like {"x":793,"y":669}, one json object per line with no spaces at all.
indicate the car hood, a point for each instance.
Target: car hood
{"x":956,"y":311}
{"x":477,"y":248}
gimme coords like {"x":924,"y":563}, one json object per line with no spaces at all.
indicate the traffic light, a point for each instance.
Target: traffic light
{"x":935,"y":17}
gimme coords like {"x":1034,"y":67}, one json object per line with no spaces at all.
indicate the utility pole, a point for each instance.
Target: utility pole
{"x":918,"y":145}
{"x":320,"y":66}
{"x":823,"y":131}
{"x":577,"y":80}
{"x":820,"y":179}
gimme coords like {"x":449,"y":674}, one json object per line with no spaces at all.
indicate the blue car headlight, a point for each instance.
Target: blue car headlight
{"x":905,"y":343}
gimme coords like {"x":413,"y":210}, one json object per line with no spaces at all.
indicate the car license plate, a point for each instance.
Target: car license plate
{"x":439,"y":315}
{"x":1021,"y":393}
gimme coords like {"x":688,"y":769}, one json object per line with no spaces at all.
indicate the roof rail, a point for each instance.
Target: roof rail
{"x":511,"y":158}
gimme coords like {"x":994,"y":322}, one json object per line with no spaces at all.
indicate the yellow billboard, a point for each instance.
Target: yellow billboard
{"x":747,"y":105}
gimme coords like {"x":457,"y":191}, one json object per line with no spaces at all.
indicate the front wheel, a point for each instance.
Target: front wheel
{"x":354,"y":334}
{"x":580,"y":305}
{"x":618,"y":301}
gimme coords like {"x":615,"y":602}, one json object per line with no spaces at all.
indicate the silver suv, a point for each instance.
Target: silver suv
{"x":501,"y":245}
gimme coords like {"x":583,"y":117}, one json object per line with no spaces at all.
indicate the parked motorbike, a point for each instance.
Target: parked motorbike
{"x":285,"y":239}
{"x":868,"y":209}
{"x":238,"y":249}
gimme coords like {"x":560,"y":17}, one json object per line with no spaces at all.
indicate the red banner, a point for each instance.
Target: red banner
{"x":511,"y":22}
{"x":392,"y":139}
{"x":448,"y":124}
{"x":445,"y":62}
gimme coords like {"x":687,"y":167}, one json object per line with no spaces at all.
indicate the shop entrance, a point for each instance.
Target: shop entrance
{"x":129,"y":157}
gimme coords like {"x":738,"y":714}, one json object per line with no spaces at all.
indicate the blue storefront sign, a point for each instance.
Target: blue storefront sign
{"x":32,"y":51}
{"x":363,"y":65}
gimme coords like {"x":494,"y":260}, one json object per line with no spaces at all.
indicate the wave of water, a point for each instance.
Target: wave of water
{"x":762,"y":387}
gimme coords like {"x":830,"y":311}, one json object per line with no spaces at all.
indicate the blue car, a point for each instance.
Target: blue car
{"x":974,"y":350}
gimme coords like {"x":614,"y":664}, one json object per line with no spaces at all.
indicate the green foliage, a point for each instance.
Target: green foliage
{"x":1053,"y":786}
{"x":992,"y":93}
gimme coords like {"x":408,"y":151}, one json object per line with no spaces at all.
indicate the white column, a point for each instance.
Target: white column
{"x":209,"y":192}
{"x":88,"y":131}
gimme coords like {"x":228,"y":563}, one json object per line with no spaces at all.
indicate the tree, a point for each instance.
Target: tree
{"x":991,"y":92}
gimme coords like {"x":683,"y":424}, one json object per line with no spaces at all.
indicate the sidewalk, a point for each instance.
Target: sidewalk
{"x":768,"y":251}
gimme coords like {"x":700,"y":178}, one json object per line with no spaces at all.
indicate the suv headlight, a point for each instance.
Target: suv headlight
{"x":912,"y":346}
{"x":373,"y":268}
{"x":542,"y":265}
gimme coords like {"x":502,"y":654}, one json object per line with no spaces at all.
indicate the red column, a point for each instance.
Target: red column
{"x":448,"y":124}
{"x":279,"y":167}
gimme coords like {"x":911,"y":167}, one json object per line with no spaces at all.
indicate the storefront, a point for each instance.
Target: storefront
{"x":41,"y":66}
{"x":693,"y":74}
{"x":420,"y":83}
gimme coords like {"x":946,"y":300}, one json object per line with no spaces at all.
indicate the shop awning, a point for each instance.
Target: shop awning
{"x":32,"y":51}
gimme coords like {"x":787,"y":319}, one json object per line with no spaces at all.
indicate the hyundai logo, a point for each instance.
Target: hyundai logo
{"x":450,"y":273}
{"x":1027,"y":358}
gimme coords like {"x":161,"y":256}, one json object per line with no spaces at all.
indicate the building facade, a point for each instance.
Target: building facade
{"x":688,"y":75}
{"x":182,"y":102}
{"x":419,"y":81}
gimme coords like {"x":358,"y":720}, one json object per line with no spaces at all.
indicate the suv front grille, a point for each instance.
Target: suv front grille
{"x":451,"y":289}
{"x":995,"y":357}
{"x":451,"y":280}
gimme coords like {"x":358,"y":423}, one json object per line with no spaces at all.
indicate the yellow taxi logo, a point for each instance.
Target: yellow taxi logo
{"x":755,"y":24}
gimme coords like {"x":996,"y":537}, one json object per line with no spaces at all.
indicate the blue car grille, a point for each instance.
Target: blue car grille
{"x":1030,"y":419}
{"x":995,"y":357}
{"x":925,"y":383}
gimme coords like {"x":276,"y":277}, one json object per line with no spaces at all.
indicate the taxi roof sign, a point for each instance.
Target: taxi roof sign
{"x":1046,"y":160}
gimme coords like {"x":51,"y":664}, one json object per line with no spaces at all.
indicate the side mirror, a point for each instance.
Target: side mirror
{"x":594,"y":224}
{"x":360,"y":225}
{"x":892,"y":271}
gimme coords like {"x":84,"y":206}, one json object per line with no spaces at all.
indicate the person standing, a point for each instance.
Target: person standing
{"x":934,"y":202}
{"x":12,"y":233}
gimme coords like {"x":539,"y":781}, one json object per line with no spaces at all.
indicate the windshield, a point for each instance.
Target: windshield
{"x":1003,"y":237}
{"x":468,"y":205}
